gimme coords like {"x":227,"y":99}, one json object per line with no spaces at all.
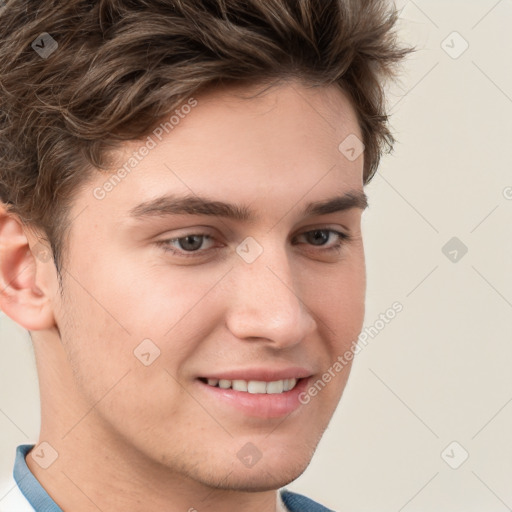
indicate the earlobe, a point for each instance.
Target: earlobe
{"x":21,"y":296}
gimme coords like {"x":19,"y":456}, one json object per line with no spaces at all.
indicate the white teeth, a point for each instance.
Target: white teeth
{"x":255,"y":386}
{"x":239,"y":385}
{"x":289,"y":384}
{"x":275,"y":387}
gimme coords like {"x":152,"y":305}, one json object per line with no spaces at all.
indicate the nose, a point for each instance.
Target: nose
{"x":266,"y":303}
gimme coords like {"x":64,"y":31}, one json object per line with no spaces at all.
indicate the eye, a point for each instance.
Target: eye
{"x":191,"y":243}
{"x":321,"y":237}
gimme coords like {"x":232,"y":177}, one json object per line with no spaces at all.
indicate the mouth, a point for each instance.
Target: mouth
{"x":264,"y":399}
{"x":255,"y":387}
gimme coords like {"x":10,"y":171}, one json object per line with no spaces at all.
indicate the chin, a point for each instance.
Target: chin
{"x":263,"y":479}
{"x":267,"y":474}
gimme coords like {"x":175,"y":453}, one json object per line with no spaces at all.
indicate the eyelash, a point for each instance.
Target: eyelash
{"x":165,"y":244}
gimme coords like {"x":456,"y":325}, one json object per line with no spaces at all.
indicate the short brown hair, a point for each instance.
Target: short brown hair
{"x":121,"y":65}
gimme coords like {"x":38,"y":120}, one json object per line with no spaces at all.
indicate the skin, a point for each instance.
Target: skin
{"x":132,"y":437}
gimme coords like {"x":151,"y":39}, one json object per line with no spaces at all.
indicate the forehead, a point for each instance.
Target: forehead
{"x":251,"y":145}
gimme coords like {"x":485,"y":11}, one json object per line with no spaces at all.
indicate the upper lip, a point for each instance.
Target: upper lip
{"x":261,"y":374}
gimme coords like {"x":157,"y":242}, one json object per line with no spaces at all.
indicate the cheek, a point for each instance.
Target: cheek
{"x":101,"y":330}
{"x":97,"y":347}
{"x":174,"y":308}
{"x":337,"y":299}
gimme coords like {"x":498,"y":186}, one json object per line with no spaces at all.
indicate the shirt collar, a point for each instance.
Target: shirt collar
{"x":33,"y":491}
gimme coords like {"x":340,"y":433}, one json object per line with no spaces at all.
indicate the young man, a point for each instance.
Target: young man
{"x":180,"y":232}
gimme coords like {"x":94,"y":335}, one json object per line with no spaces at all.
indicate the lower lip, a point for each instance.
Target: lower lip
{"x":262,"y":405}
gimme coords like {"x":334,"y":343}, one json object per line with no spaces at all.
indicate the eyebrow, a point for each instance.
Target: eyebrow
{"x":195,"y":205}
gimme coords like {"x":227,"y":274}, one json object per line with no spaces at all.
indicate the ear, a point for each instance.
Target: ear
{"x":24,"y":267}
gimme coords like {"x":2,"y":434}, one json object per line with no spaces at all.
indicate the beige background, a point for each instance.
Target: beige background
{"x":440,"y":371}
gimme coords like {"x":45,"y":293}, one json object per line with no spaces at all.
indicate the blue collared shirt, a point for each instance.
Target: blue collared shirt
{"x":30,"y":495}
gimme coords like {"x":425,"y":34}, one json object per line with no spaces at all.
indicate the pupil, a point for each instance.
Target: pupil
{"x":189,"y":244}
{"x":322,"y":238}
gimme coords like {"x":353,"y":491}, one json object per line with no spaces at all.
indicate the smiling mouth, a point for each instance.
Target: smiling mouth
{"x":253,"y":386}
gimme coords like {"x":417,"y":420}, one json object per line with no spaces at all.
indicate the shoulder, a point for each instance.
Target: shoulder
{"x":297,"y":503}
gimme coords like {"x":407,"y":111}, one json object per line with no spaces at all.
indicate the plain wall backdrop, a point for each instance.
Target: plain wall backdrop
{"x":425,"y":420}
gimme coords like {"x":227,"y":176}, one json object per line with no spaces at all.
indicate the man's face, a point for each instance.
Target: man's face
{"x":260,"y":299}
